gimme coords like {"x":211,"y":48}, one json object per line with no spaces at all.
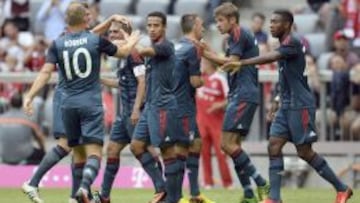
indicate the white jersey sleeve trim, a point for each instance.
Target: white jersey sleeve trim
{"x":139,"y":70}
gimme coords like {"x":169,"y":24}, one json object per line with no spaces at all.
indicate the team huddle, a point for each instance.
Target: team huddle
{"x":157,"y":86}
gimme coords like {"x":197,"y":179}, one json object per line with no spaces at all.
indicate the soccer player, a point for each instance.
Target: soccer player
{"x":158,"y":122}
{"x":188,"y":77}
{"x":243,"y":98}
{"x":61,"y":149}
{"x":77,"y":54}
{"x":295,"y":119}
{"x":131,"y":83}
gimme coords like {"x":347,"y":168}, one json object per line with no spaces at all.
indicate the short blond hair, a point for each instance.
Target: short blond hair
{"x":227,"y":10}
{"x":75,"y":14}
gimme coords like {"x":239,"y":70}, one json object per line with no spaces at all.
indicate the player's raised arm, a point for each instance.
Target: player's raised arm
{"x":104,"y":26}
{"x":124,"y":49}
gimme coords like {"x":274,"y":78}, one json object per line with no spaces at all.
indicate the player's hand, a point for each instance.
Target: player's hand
{"x":231,"y":67}
{"x":134,"y":118}
{"x":134,"y":37}
{"x":27,"y":105}
{"x":122,"y":19}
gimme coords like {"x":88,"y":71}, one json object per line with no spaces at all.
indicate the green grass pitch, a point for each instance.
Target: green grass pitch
{"x":142,"y":196}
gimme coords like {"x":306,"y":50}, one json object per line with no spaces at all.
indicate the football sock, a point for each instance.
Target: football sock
{"x":192,"y":164}
{"x":111,"y":169}
{"x":246,"y":184}
{"x":242,"y":163}
{"x":77,"y":173}
{"x":151,"y":167}
{"x":323,"y":169}
{"x":181,"y":160}
{"x":90,"y":171}
{"x":171,"y":173}
{"x":50,"y":159}
{"x":275,"y":169}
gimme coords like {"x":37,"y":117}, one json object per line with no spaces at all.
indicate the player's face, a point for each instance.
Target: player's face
{"x":155,"y":28}
{"x":114,"y":33}
{"x":223,"y":24}
{"x":88,"y":18}
{"x":199,"y":28}
{"x":277,"y":26}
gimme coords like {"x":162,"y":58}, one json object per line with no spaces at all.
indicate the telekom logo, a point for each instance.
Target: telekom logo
{"x":139,"y":177}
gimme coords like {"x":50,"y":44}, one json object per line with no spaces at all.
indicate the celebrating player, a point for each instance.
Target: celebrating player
{"x":243,"y":98}
{"x":77,"y":54}
{"x":295,"y":120}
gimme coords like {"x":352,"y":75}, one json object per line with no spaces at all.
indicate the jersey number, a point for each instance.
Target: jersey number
{"x":75,"y":63}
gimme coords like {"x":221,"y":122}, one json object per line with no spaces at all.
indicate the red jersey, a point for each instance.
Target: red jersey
{"x":215,"y":89}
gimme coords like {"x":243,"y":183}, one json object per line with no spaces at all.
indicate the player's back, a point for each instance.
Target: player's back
{"x":294,"y":88}
{"x":187,"y":64}
{"x":159,"y":76}
{"x":243,"y":84}
{"x":79,"y":63}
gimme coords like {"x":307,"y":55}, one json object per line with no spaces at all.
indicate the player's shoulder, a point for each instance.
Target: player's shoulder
{"x":239,"y":32}
{"x":292,"y":39}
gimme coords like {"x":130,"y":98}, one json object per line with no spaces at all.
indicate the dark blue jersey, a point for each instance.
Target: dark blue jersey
{"x":294,"y":89}
{"x":129,"y":69}
{"x":243,"y":85}
{"x":78,"y":58}
{"x":187,"y":64}
{"x":159,"y":76}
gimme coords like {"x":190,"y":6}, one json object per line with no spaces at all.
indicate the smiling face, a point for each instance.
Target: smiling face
{"x":199,"y":28}
{"x":155,"y":28}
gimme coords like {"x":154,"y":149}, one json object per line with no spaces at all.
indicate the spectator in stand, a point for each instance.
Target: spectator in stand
{"x":342,"y":47}
{"x":211,"y":102}
{"x":17,"y":133}
{"x":350,"y":121}
{"x":351,"y":13}
{"x":35,"y":55}
{"x":18,"y":11}
{"x":51,"y":15}
{"x":257,"y":26}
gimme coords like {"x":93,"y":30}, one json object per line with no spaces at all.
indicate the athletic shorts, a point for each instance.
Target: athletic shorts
{"x":84,"y":125}
{"x":238,"y":117}
{"x":297,"y":126}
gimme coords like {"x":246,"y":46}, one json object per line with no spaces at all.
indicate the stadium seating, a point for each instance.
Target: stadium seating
{"x":110,"y":7}
{"x":173,"y":29}
{"x":306,"y":23}
{"x":138,"y":22}
{"x":191,"y":6}
{"x":144,"y":7}
{"x":317,"y":43}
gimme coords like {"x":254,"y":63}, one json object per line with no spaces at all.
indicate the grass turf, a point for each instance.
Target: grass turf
{"x":142,"y":196}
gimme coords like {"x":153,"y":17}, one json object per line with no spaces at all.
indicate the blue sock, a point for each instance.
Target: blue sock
{"x":111,"y":169}
{"x":151,"y":167}
{"x":242,"y":163}
{"x":50,"y":159}
{"x":323,"y":169}
{"x":77,"y":173}
{"x":275,"y":169}
{"x":181,"y":160}
{"x":90,"y":171}
{"x":192,"y":164}
{"x":246,"y":184}
{"x":171,"y":173}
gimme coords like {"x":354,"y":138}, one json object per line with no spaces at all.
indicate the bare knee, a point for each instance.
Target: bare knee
{"x":113,"y":149}
{"x":355,"y":129}
{"x":137,"y":147}
{"x":62,"y":142}
{"x":305,"y":152}
{"x":275,"y":147}
{"x":230,"y":142}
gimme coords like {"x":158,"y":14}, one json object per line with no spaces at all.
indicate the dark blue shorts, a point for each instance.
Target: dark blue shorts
{"x":84,"y":125}
{"x":297,"y":126}
{"x":188,"y":130}
{"x":239,"y":116}
{"x":58,"y":126}
{"x":157,"y":126}
{"x":122,"y":130}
